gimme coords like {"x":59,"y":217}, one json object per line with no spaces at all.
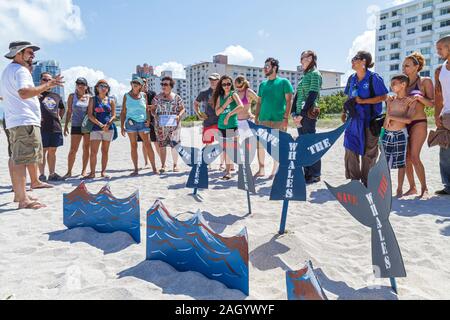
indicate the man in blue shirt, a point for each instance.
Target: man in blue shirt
{"x":367,"y":91}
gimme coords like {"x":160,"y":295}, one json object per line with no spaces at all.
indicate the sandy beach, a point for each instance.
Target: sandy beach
{"x":41,"y":259}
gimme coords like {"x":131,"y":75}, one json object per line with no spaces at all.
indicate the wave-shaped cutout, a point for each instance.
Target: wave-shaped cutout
{"x":103,"y":211}
{"x":192,"y":246}
{"x":304,"y":285}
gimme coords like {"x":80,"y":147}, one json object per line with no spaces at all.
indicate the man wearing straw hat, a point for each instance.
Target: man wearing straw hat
{"x":23,"y":116}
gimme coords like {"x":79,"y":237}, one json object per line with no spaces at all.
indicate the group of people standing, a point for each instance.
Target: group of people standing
{"x":405,"y":125}
{"x":33,"y":119}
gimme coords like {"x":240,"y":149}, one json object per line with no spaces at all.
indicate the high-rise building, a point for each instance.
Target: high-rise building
{"x":50,"y":66}
{"x":197,"y":77}
{"x":409,"y":27}
{"x":154,"y":81}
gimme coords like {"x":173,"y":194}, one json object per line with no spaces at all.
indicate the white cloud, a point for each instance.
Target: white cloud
{"x":238,"y":55}
{"x":365,"y":42}
{"x":118,"y":89}
{"x":177,"y":69}
{"x":38,"y":21}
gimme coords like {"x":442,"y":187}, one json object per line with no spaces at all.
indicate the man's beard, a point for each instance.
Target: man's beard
{"x":269,"y":74}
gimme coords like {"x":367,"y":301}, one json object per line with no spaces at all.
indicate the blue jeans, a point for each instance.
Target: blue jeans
{"x":445,"y":168}
{"x":309,"y":127}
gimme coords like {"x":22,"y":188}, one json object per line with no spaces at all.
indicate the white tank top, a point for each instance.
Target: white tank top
{"x":444,"y":79}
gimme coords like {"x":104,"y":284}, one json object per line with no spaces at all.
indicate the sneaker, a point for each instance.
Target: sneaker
{"x":55,"y":177}
{"x":443,"y":193}
{"x":43,"y":178}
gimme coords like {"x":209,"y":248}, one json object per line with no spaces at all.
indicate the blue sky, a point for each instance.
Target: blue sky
{"x":110,"y":37}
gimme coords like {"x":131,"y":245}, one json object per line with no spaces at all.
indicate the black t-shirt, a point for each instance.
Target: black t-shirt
{"x":51,"y":103}
{"x":150,"y":96}
{"x":205,"y":98}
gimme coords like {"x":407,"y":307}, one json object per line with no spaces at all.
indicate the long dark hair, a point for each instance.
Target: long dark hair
{"x":98,"y":84}
{"x":313,"y":64}
{"x":220,"y":92}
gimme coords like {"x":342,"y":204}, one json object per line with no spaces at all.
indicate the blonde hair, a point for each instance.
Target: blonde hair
{"x":418,"y":59}
{"x":242,"y":79}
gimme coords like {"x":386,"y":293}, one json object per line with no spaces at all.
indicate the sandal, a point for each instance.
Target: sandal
{"x":42,"y":185}
{"x":89,"y":177}
{"x":36,"y":205}
{"x":227,"y":177}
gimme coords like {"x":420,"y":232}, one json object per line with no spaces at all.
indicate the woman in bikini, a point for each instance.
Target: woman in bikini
{"x":249,"y":100}
{"x":422,"y":89}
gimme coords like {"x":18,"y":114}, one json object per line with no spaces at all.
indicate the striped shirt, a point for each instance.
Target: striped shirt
{"x":311,"y":82}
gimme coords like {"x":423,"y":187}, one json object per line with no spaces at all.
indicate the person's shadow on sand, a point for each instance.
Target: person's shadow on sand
{"x":437,"y":206}
{"x":344,"y":292}
{"x":322,"y":196}
{"x":219,"y":224}
{"x":265,"y":257}
{"x":172,"y":282}
{"x":109,"y":243}
{"x":445,"y":231}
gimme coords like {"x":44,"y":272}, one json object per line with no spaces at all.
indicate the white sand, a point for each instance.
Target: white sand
{"x":40,"y":259}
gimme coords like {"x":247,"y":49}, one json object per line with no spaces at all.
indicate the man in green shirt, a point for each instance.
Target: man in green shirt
{"x":274,"y":107}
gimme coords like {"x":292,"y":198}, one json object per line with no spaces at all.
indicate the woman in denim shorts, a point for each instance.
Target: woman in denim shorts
{"x":134,"y":121}
{"x":102,"y":113}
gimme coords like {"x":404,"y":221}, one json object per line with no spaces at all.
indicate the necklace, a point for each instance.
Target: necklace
{"x":415,"y":82}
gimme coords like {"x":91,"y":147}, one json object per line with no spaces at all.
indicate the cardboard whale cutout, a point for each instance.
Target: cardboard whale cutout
{"x":371,"y":207}
{"x":293,"y":155}
{"x":192,"y":246}
{"x":198,"y":160}
{"x":102,"y":211}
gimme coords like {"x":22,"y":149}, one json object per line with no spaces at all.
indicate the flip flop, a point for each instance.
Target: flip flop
{"x":42,"y":186}
{"x":89,"y":177}
{"x":36,"y":205}
{"x":226,"y":177}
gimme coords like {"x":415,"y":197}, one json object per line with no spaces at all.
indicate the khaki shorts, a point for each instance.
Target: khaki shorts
{"x":26,"y":145}
{"x":102,"y":135}
{"x":273,"y":125}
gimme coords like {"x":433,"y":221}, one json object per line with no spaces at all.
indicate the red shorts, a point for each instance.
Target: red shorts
{"x":209,"y":134}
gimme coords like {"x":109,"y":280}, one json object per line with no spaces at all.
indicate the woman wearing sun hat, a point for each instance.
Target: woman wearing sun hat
{"x":135,"y":122}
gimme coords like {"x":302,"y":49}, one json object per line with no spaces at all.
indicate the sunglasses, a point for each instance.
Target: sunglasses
{"x":46,"y":80}
{"x":357,"y":59}
{"x":136,"y":84}
{"x":267,"y":66}
{"x":226,"y":84}
{"x":103,"y":86}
